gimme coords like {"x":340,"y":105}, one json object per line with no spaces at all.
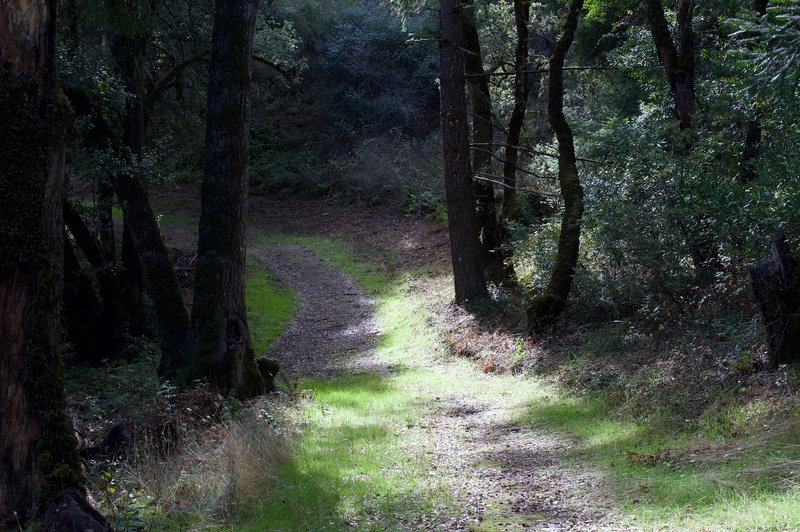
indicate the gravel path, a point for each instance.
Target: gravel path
{"x":506,"y":476}
{"x":335,"y":319}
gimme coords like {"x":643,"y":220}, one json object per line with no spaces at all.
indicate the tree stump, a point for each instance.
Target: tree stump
{"x":776,"y":286}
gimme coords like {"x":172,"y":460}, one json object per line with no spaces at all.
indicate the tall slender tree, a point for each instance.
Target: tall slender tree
{"x":465,"y":252}
{"x":38,"y":450}
{"x":220,"y":348}
{"x":522,"y":10}
{"x":546,"y":308}
{"x":482,"y":136}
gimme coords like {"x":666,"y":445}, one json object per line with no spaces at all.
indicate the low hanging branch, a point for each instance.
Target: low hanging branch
{"x":163,"y":83}
{"x":544,"y":153}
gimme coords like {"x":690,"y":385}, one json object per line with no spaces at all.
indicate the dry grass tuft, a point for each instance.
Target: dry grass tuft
{"x":217,"y":471}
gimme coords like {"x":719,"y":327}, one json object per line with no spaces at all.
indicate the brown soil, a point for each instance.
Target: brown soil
{"x":508,"y":477}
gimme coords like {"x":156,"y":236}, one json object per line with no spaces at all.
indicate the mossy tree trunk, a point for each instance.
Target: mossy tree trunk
{"x":546,"y":308}
{"x":220,"y":349}
{"x":465,"y":251}
{"x":482,"y":137}
{"x":38,"y":450}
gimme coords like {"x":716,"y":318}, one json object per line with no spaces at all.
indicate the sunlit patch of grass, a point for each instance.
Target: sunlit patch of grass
{"x":676,"y":481}
{"x":360,"y":461}
{"x":270,"y":307}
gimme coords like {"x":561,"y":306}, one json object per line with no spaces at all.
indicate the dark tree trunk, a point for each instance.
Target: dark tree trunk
{"x":105,"y":218}
{"x":776,"y":286}
{"x":546,"y":308}
{"x":678,"y":63}
{"x":156,"y":267}
{"x":521,"y":91}
{"x":482,"y":136}
{"x":81,"y":310}
{"x":102,"y":329}
{"x":521,"y":86}
{"x":470,"y":283}
{"x":131,"y":286}
{"x":749,"y":159}
{"x":157,"y":270}
{"x":220,"y":348}
{"x":752,"y":141}
{"x":38,"y":450}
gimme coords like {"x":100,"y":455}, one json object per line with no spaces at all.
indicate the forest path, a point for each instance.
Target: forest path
{"x":473,"y":430}
{"x":334,"y":321}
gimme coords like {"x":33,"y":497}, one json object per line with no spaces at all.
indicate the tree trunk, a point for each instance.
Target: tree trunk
{"x":546,"y":308}
{"x":102,"y":329}
{"x":776,"y":286}
{"x":749,"y":158}
{"x":678,"y":63}
{"x":465,"y":251}
{"x":482,"y":136}
{"x":521,"y":91}
{"x":220,"y":347}
{"x":157,"y":270}
{"x":38,"y":450}
{"x":521,"y":16}
{"x":752,"y":141}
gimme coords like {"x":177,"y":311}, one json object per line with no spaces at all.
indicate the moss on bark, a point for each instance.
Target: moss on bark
{"x":38,"y":449}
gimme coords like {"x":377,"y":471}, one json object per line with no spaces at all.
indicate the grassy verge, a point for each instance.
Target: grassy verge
{"x":270,"y":307}
{"x":683,"y":481}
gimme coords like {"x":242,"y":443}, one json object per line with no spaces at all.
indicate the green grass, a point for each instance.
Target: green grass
{"x":658,"y":484}
{"x":270,"y":307}
{"x":359,"y":462}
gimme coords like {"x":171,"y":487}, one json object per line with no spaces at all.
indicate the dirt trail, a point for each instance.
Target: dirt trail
{"x":334,"y":323}
{"x":506,"y":476}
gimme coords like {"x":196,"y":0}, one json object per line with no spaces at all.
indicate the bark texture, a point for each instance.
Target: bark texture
{"x":482,"y":137}
{"x":220,"y":348}
{"x":546,"y":308}
{"x":38,"y":450}
{"x":678,"y":62}
{"x":469,"y":279}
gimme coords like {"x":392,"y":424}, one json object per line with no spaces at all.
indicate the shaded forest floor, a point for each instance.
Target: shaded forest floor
{"x":399,"y":411}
